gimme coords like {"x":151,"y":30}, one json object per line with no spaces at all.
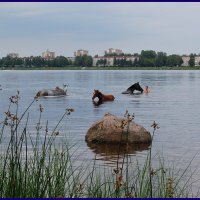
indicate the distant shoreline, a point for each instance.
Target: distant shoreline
{"x":102,"y":68}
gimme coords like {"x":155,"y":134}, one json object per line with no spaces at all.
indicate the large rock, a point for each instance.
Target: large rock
{"x":112,"y":129}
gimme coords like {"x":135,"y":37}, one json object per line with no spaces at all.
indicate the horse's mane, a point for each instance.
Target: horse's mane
{"x":99,"y":94}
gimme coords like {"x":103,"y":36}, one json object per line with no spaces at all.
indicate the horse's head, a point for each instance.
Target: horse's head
{"x":138,"y":87}
{"x":98,"y":94}
{"x":135,"y":86}
{"x":38,"y":94}
{"x":65,"y":86}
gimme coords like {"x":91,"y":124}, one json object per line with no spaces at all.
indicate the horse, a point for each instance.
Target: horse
{"x":132,"y":88}
{"x":102,"y":97}
{"x":52,"y":92}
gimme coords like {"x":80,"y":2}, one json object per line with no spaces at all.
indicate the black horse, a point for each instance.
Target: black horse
{"x":135,"y":86}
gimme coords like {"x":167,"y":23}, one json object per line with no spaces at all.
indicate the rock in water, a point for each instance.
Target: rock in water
{"x":112,"y":129}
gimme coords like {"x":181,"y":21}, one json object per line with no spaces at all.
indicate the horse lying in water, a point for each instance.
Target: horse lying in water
{"x":52,"y":92}
{"x":102,"y":97}
{"x":132,"y":88}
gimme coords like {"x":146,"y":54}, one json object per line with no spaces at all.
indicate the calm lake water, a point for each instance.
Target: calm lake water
{"x":173,"y":102}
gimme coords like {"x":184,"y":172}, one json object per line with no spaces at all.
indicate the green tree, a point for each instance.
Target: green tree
{"x":83,"y":61}
{"x":174,"y":60}
{"x":161,"y":59}
{"x":87,"y":60}
{"x":192,"y":60}
{"x":136,"y":62}
{"x":147,"y":58}
{"x":61,"y":61}
{"x":78,"y":61}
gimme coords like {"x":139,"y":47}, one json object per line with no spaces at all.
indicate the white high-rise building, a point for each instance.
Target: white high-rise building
{"x":113,"y":51}
{"x":81,"y":52}
{"x":13,"y":55}
{"x":48,"y":55}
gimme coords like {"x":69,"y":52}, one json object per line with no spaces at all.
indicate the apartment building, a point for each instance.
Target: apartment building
{"x":48,"y":55}
{"x":81,"y":52}
{"x":113,"y":51}
{"x":197,"y":60}
{"x":13,"y":55}
{"x":110,"y":59}
{"x":186,"y":60}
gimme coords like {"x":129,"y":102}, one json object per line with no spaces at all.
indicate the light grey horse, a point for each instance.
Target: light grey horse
{"x":52,"y":92}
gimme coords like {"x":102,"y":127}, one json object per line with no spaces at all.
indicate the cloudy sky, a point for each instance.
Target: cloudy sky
{"x":31,"y":28}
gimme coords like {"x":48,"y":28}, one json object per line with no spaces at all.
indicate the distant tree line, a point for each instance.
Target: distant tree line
{"x":151,"y":59}
{"x":38,"y":61}
{"x":147,"y":58}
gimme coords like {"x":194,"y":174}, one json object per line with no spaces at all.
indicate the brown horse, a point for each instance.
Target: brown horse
{"x":102,"y":97}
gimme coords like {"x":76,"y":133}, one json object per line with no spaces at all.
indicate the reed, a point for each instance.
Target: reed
{"x":35,"y":166}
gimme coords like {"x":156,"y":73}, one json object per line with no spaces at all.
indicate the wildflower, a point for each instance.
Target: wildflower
{"x":6,"y":121}
{"x":126,"y":113}
{"x":120,"y":178}
{"x":128,"y":116}
{"x":40,"y":108}
{"x":56,"y":133}
{"x":38,"y":127}
{"x":153,"y":172}
{"x":69,"y":110}
{"x":131,"y":117}
{"x":118,"y":183}
{"x":14,"y":99}
{"x":169,"y":187}
{"x":123,"y":124}
{"x":8,"y":114}
{"x":155,"y":125}
{"x":128,"y":195}
{"x":15,"y":118}
{"x":80,"y":188}
{"x":36,"y":97}
{"x":46,"y":130}
{"x":116,"y":171}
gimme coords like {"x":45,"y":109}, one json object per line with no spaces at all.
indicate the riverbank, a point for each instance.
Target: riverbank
{"x":102,"y":68}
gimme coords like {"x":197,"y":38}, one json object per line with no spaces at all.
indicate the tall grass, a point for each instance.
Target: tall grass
{"x":35,"y":166}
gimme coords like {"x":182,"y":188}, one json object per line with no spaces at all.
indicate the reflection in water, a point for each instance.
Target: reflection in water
{"x":111,"y":152}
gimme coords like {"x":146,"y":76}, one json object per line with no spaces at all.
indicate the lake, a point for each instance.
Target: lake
{"x":173,"y":102}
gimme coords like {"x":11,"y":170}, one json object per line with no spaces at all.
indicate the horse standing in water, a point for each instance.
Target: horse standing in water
{"x":52,"y":92}
{"x":102,"y":97}
{"x":132,"y":88}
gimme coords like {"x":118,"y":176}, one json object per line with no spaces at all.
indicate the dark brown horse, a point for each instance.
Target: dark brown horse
{"x":132,"y":88}
{"x":102,"y":97}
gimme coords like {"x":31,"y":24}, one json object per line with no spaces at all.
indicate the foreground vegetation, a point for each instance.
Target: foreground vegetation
{"x":34,"y":166}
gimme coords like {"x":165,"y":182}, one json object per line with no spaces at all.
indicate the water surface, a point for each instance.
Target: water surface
{"x":173,"y":102}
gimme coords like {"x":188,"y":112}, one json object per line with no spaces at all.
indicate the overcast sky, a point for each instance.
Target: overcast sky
{"x":31,"y":28}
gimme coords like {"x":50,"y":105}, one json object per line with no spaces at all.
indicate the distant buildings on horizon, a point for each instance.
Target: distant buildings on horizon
{"x":48,"y":55}
{"x":13,"y":55}
{"x":81,"y":52}
{"x":110,"y":55}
